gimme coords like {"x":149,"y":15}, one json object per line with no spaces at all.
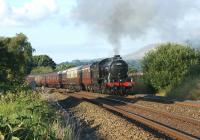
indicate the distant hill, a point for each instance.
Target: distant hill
{"x":137,"y":55}
{"x":132,"y":63}
{"x":80,"y":62}
{"x":136,"y":64}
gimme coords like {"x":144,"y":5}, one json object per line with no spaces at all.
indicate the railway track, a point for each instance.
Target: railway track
{"x":164,"y":100}
{"x":151,"y":98}
{"x":175,"y":126}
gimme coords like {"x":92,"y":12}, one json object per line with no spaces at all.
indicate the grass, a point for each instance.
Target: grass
{"x":162,"y":93}
{"x":25,"y":116}
{"x":188,"y":89}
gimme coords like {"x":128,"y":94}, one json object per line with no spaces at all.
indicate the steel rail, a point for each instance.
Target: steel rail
{"x":174,"y":116}
{"x":124,"y":110}
{"x":185,"y":103}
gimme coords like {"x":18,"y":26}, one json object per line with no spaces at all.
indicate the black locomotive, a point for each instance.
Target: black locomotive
{"x":110,"y":76}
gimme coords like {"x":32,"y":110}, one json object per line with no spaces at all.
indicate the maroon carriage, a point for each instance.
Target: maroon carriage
{"x":53,"y":79}
{"x":86,"y":77}
{"x":72,"y":79}
{"x":40,"y":80}
{"x":64,"y":79}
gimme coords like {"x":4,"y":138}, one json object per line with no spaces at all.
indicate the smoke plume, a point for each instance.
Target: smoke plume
{"x":117,"y":19}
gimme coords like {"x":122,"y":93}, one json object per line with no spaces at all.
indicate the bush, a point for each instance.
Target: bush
{"x":13,"y":87}
{"x":188,"y":89}
{"x":190,"y":86}
{"x":26,"y":116}
{"x":166,"y":66}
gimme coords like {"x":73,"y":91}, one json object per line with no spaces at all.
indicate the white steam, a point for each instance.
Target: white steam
{"x":117,"y":19}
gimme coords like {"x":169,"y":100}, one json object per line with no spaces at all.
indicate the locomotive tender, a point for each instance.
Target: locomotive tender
{"x":106,"y":76}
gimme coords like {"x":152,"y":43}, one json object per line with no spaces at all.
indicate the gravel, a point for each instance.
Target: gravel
{"x":187,"y":111}
{"x":98,"y":123}
{"x":109,"y":126}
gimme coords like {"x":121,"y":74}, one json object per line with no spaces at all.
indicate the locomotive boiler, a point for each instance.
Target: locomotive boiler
{"x":118,"y":70}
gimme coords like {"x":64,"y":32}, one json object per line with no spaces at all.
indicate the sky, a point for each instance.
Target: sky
{"x":87,"y":29}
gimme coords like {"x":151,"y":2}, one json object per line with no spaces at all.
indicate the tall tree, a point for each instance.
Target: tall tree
{"x":17,"y":56}
{"x":43,"y":61}
{"x":3,"y":61}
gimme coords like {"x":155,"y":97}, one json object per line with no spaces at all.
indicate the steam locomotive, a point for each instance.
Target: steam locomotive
{"x":106,"y":76}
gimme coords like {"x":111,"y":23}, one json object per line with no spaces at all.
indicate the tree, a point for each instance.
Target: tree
{"x":61,"y":67}
{"x":16,"y":56}
{"x":43,"y":60}
{"x":3,"y":62}
{"x":166,"y":66}
{"x":132,"y":70}
{"x":41,"y":70}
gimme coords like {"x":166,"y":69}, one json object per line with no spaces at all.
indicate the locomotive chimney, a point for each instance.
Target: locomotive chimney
{"x":116,"y":56}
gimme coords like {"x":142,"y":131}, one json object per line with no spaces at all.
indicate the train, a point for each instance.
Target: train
{"x":109,"y":75}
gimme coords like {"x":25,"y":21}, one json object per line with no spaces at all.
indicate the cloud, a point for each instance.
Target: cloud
{"x":3,"y":8}
{"x":29,"y":13}
{"x":173,"y":20}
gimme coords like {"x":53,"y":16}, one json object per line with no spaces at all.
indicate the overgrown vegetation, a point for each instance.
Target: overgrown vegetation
{"x":41,"y":70}
{"x":25,"y":116}
{"x":170,"y":67}
{"x":189,"y":88}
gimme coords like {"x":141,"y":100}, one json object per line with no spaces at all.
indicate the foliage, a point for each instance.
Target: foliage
{"x":43,"y":61}
{"x":16,"y":57}
{"x":166,"y":66}
{"x":3,"y":62}
{"x":41,"y":70}
{"x":61,"y":67}
{"x":189,"y":87}
{"x":131,"y":70}
{"x":13,"y":88}
{"x":26,"y":116}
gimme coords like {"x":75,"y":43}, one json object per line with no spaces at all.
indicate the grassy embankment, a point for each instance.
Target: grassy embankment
{"x":188,"y":89}
{"x":25,"y":116}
